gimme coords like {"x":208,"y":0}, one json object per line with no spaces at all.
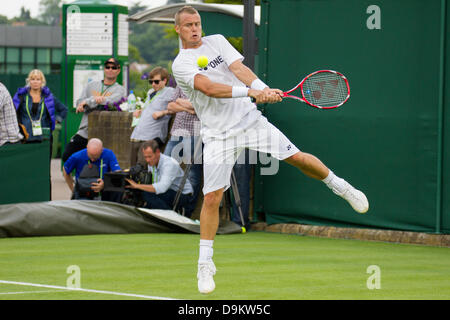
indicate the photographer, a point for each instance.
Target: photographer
{"x":167,"y":177}
{"x":90,"y":164}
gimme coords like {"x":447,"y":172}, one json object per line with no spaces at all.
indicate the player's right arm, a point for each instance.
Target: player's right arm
{"x":211,"y":89}
{"x":180,"y":105}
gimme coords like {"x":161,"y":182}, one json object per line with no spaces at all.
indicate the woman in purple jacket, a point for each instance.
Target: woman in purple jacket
{"x":37,"y":108}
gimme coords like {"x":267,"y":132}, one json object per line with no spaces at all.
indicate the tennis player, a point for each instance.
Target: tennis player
{"x":230,"y":122}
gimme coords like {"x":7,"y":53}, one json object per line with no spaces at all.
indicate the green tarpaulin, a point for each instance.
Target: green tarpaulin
{"x":83,"y":217}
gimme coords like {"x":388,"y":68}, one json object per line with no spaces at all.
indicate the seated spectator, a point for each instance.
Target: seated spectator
{"x":153,"y":124}
{"x":37,"y":108}
{"x":9,"y":128}
{"x":90,"y":164}
{"x":167,"y":177}
{"x":95,"y":96}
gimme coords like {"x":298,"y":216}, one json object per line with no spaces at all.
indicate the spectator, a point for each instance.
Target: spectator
{"x":95,"y":96}
{"x":167,"y":176}
{"x":9,"y":128}
{"x":37,"y":108}
{"x":90,"y":164}
{"x":154,"y":118}
{"x":185,"y":142}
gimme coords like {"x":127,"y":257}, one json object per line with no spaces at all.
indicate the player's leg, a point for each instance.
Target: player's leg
{"x":209,"y":214}
{"x":314,"y":168}
{"x":218,"y":163}
{"x":308,"y":164}
{"x":209,"y":223}
{"x":270,"y":139}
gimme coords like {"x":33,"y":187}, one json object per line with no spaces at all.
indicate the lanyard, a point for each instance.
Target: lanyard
{"x":154,"y":96}
{"x":154,"y":178}
{"x":107,"y":87}
{"x":28,"y":110}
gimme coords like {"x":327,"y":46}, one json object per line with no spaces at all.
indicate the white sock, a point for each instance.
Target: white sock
{"x":206,"y":250}
{"x":335,"y":183}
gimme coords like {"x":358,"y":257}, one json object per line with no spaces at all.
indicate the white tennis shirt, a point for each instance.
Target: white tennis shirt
{"x":219,"y":116}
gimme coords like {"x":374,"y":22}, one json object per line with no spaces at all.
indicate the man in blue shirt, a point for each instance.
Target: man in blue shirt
{"x":167,"y":180}
{"x":90,"y":164}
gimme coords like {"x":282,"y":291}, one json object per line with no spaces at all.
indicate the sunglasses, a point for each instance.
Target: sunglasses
{"x":111,"y":67}
{"x":155,"y":81}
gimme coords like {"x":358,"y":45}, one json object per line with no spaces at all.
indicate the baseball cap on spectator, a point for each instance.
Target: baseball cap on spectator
{"x":112,"y":61}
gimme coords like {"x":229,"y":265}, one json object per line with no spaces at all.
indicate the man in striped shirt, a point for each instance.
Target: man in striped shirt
{"x":9,"y":128}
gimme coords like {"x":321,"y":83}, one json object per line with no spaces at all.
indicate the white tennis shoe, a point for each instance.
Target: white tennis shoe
{"x":354,"y":197}
{"x":206,"y":271}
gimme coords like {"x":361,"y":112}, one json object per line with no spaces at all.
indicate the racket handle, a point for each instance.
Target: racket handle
{"x":254,"y":100}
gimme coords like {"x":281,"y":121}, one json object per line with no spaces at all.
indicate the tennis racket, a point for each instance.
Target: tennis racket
{"x":323,"y":89}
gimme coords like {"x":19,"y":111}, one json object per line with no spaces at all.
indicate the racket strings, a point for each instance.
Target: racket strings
{"x":325,"y":89}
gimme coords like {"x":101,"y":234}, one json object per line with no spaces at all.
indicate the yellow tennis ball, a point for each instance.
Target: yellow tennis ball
{"x":244,"y":230}
{"x":202,"y":61}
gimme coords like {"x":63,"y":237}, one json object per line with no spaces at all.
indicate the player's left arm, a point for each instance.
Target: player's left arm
{"x":219,"y":90}
{"x":242,"y":72}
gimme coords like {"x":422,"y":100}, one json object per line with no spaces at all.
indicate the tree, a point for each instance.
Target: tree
{"x":136,"y":28}
{"x":153,"y":43}
{"x":134,"y":55}
{"x":24,"y":14}
{"x":3,"y":19}
{"x":139,"y":86}
{"x":50,"y":12}
{"x":135,"y":8}
{"x":25,"y":18}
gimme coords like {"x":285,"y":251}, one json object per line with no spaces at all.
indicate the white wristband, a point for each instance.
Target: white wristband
{"x":239,"y":92}
{"x":258,"y":84}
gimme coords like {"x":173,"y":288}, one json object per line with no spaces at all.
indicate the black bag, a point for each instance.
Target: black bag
{"x":90,"y":174}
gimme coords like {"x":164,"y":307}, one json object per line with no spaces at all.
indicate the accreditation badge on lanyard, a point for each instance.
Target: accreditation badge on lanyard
{"x":36,"y":125}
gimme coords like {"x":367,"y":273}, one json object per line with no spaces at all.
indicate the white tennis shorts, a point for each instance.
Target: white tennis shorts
{"x":220,"y":155}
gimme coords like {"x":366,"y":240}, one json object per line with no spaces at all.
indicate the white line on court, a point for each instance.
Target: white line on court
{"x":85,"y":290}
{"x":27,"y":292}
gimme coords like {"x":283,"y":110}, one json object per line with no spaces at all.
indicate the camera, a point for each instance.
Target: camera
{"x":115,"y":181}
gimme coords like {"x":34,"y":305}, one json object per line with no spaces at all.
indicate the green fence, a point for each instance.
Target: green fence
{"x":15,"y":81}
{"x":391,"y":139}
{"x":25,"y":173}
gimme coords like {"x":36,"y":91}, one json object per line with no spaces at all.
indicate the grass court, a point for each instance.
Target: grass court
{"x":251,"y":266}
